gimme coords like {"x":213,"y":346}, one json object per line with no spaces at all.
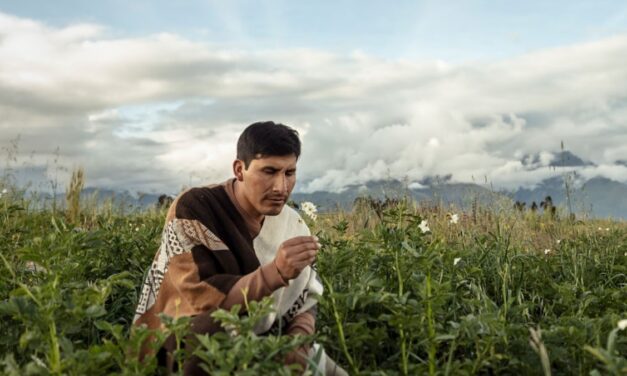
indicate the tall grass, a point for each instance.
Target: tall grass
{"x":73,"y":194}
{"x":499,"y":292}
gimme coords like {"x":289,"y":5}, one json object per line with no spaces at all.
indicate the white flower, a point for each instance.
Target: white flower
{"x":559,"y":241}
{"x":622,"y":324}
{"x":423,"y":226}
{"x":309,"y":209}
{"x":607,"y":229}
{"x":4,"y":191}
{"x":456,"y":260}
{"x":32,"y":266}
{"x":454,"y":219}
{"x":547,"y":251}
{"x":600,"y":229}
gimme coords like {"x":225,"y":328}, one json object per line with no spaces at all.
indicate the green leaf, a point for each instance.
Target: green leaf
{"x":95,"y":311}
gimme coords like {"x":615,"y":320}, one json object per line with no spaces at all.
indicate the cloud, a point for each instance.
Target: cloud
{"x":160,"y":111}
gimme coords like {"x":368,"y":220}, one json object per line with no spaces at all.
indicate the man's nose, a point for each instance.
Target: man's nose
{"x":280,"y":184}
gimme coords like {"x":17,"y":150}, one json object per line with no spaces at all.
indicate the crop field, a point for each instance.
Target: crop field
{"x":409,"y":290}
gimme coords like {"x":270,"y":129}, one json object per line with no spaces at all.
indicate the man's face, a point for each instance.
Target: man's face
{"x":267,"y":183}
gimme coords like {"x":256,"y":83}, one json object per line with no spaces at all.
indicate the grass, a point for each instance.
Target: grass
{"x":395,"y":300}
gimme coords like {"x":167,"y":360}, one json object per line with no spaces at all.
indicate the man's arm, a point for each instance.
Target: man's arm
{"x":292,"y":257}
{"x":258,"y":284}
{"x":304,"y":324}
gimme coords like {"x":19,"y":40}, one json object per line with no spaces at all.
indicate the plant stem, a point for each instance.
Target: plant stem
{"x":55,"y":354}
{"x":340,"y":329}
{"x":431,"y":328}
{"x":404,"y":352}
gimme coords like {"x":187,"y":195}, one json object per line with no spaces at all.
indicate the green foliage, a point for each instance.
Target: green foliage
{"x":612,"y":361}
{"x":239,"y":351}
{"x":396,"y":301}
{"x":459,"y":299}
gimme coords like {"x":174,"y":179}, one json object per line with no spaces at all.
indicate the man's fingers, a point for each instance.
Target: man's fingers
{"x":302,"y":265}
{"x":300,"y":239}
{"x":306,"y":255}
{"x":301,"y":248}
{"x":296,"y":254}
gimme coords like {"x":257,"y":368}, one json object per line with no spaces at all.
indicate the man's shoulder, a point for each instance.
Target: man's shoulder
{"x":196,"y":200}
{"x":290,"y":217}
{"x":201,"y":193}
{"x":289,"y":213}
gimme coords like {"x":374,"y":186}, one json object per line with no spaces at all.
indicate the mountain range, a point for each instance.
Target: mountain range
{"x":598,"y":197}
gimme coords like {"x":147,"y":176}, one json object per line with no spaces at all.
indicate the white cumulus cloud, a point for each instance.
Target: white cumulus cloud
{"x":160,"y":111}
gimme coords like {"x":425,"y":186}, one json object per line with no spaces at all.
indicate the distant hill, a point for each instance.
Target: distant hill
{"x":459,"y":194}
{"x":567,"y":159}
{"x":562,"y":158}
{"x":598,"y":197}
{"x":124,"y":199}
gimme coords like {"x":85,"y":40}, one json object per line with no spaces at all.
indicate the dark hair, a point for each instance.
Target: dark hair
{"x":267,"y":138}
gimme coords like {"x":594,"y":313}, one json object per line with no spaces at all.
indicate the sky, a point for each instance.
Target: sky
{"x":151,"y":95}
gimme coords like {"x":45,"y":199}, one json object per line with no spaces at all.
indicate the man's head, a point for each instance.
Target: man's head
{"x":267,"y":139}
{"x":265,"y":167}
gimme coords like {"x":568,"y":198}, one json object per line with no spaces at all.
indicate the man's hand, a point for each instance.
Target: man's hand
{"x":298,"y":356}
{"x":295,"y":254}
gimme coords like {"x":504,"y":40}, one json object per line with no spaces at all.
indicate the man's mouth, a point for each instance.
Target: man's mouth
{"x":276,"y":200}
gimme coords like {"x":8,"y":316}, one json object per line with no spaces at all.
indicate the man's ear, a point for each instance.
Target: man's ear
{"x":238,"y":169}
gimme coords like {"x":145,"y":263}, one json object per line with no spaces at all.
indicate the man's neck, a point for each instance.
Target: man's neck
{"x":244,"y":204}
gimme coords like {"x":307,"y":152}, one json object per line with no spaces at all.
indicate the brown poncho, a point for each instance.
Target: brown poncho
{"x":209,"y":253}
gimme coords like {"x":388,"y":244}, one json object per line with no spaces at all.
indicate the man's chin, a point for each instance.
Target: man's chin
{"x":274,"y":210}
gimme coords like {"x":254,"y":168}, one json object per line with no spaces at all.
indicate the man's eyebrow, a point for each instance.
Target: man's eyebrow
{"x":274,"y":168}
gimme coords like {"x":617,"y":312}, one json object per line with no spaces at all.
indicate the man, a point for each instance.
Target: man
{"x":223,"y":240}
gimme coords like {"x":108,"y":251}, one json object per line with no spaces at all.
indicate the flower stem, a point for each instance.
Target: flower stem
{"x":340,"y":329}
{"x":404,"y":352}
{"x":431,"y":328}
{"x":55,"y":354}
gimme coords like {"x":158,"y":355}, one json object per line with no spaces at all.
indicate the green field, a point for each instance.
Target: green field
{"x":498,"y":292}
